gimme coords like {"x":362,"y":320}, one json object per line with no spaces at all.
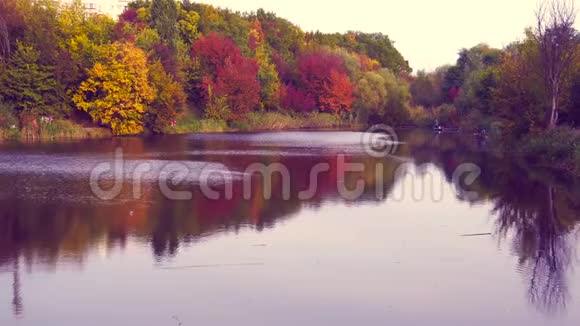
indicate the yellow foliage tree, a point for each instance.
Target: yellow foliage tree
{"x":116,"y":92}
{"x":268,"y":75}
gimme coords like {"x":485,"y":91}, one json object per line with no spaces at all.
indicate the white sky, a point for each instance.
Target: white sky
{"x":428,"y":33}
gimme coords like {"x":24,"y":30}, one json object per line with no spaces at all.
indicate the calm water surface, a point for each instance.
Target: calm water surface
{"x":410,"y":250}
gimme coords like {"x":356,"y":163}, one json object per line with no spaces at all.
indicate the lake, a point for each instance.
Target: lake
{"x":348,"y":229}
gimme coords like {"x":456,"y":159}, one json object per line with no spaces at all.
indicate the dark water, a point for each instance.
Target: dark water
{"x":412,"y":248}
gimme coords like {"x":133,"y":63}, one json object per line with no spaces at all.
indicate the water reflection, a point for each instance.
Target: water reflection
{"x":48,"y":219}
{"x":538,"y":211}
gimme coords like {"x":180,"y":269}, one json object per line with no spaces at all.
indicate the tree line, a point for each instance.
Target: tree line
{"x":531,"y":84}
{"x":163,"y":59}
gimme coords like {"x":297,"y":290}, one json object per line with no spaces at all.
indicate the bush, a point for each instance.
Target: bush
{"x":189,"y":123}
{"x":447,"y":115}
{"x":272,"y":121}
{"x":286,"y":121}
{"x":420,"y":117}
{"x":560,"y":146}
{"x":66,"y":129}
{"x":8,"y":123}
{"x":317,"y":120}
{"x":59,"y":129}
{"x":210,"y":125}
{"x":257,"y":121}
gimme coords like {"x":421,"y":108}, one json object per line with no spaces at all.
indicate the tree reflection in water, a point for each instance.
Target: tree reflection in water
{"x":538,"y":212}
{"x":542,"y":238}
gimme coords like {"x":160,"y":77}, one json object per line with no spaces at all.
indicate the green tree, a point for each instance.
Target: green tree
{"x":371,"y":96}
{"x":398,"y":97}
{"x":27,"y":84}
{"x":117,"y":92}
{"x":165,"y":14}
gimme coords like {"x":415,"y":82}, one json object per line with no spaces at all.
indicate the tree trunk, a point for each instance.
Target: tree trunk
{"x":554,"y":110}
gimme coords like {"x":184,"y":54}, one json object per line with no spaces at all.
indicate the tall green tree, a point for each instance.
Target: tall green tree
{"x":28,"y":84}
{"x":165,"y":14}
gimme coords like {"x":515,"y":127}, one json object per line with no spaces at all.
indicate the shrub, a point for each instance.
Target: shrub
{"x":66,"y":129}
{"x":317,"y":120}
{"x":560,"y":146}
{"x":210,"y":125}
{"x":420,"y":117}
{"x":8,"y":122}
{"x":189,"y":123}
{"x":272,"y":121}
{"x":446,"y":114}
{"x":286,"y":121}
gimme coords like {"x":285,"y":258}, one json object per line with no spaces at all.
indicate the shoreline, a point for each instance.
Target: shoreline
{"x":534,"y":157}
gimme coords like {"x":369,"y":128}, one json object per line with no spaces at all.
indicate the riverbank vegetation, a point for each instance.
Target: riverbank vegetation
{"x":525,"y":98}
{"x":164,"y":66}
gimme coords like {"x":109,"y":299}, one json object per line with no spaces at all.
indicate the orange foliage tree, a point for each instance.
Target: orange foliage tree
{"x":338,"y":94}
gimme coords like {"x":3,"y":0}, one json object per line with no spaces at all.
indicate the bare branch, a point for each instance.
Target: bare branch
{"x":557,"y":40}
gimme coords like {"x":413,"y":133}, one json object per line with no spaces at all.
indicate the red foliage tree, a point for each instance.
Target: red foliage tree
{"x":315,"y":68}
{"x":297,"y":99}
{"x":338,"y":94}
{"x":213,"y":50}
{"x":324,"y":78}
{"x":237,"y":80}
{"x":228,"y":73}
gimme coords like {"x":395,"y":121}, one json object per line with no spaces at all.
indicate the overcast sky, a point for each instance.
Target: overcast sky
{"x":428,"y":33}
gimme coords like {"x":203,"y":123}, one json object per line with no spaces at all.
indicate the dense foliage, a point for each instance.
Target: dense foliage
{"x":162,"y":60}
{"x":502,"y":91}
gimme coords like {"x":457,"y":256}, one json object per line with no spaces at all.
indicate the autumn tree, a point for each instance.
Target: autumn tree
{"x":518,"y":98}
{"x":558,"y":41}
{"x":425,"y":90}
{"x":116,"y":92}
{"x":237,"y":81}
{"x":169,"y":96}
{"x":267,"y":74}
{"x":338,"y":94}
{"x":324,"y":76}
{"x":188,"y":25}
{"x":297,"y":99}
{"x":223,"y":67}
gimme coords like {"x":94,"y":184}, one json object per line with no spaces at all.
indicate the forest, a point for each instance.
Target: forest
{"x":165,"y":66}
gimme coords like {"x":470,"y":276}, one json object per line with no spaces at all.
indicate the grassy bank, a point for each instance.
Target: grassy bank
{"x":258,"y":121}
{"x":52,"y":130}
